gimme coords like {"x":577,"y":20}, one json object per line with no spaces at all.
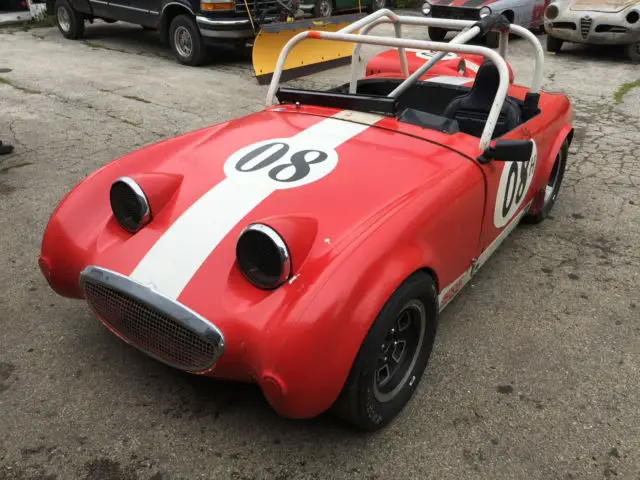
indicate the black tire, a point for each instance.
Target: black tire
{"x":323,"y":8}
{"x":437,"y":34}
{"x":376,"y":5}
{"x":69,"y":22}
{"x":633,"y":52}
{"x":364,"y":401}
{"x":186,"y":42}
{"x":552,"y":187}
{"x":554,"y":44}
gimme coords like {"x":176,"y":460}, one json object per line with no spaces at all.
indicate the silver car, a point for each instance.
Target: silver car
{"x":600,"y":22}
{"x":526,"y":13}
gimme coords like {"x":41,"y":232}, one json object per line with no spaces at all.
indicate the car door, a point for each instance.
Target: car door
{"x":510,"y":187}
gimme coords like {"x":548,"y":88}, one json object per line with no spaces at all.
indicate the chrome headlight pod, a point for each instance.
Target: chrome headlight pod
{"x":129,"y":204}
{"x":263,"y":256}
{"x":484,"y":12}
{"x":552,"y":11}
{"x":426,"y":8}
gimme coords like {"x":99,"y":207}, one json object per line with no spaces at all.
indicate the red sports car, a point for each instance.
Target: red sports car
{"x":310,"y":247}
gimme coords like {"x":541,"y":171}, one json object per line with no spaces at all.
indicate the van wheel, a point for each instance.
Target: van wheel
{"x":70,"y":23}
{"x":393,"y":356}
{"x":186,"y":42}
{"x":554,"y":44}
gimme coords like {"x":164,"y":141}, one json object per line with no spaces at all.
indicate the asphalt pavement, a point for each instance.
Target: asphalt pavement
{"x":535,"y":372}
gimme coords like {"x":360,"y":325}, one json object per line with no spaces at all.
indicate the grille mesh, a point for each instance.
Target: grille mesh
{"x":456,"y":13}
{"x":262,"y":5}
{"x":585,"y":26}
{"x":150,"y":330}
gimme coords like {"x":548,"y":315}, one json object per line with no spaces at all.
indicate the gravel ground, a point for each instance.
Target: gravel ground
{"x":535,"y":372}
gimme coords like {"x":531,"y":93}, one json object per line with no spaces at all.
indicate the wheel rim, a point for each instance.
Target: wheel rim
{"x":399,"y":351}
{"x":63,"y":19}
{"x":551,"y":190}
{"x":379,"y":4}
{"x":325,"y":8}
{"x":183,"y":41}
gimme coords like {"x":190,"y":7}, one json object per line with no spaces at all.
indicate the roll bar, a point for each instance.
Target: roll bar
{"x":457,"y":45}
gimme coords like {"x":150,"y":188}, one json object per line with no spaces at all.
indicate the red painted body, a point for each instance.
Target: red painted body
{"x":457,"y":65}
{"x":401,"y":198}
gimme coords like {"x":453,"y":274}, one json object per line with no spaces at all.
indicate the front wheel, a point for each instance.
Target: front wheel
{"x":323,"y":8}
{"x":393,"y":356}
{"x":547,"y":198}
{"x":633,"y":52}
{"x":437,"y":34}
{"x":554,"y":44}
{"x":186,"y":42}
{"x":69,"y":22}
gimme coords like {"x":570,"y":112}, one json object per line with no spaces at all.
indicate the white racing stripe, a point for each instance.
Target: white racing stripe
{"x":178,"y":254}
{"x":450,"y":80}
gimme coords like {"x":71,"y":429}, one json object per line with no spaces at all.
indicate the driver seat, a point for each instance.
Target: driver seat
{"x":471,"y":110}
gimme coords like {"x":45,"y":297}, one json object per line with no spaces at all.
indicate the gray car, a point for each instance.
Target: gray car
{"x":599,"y":22}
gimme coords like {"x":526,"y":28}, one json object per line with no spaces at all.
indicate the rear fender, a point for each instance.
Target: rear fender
{"x":325,"y":341}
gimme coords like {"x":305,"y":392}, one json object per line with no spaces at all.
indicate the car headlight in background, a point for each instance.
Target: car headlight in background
{"x":263,"y":256}
{"x":426,"y":8}
{"x":551,"y":12}
{"x":484,"y":12}
{"x":129,"y":204}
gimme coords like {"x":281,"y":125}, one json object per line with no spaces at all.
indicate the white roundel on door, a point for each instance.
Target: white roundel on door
{"x":514,"y":185}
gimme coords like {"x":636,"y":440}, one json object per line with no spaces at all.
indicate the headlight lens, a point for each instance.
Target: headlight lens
{"x":484,"y":12}
{"x":129,"y":204}
{"x":426,"y":8}
{"x":551,"y":12}
{"x":263,"y":256}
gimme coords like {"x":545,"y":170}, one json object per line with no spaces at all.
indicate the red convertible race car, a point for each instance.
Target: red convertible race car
{"x":311,"y":246}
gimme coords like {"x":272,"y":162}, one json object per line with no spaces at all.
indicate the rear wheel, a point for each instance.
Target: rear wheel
{"x":437,"y":34}
{"x":633,"y":52}
{"x":552,"y":188}
{"x":70,"y":23}
{"x":554,"y":44}
{"x":323,"y":8}
{"x":186,"y":42}
{"x":393,"y":356}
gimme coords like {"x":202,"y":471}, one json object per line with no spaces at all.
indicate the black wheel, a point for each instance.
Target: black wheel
{"x":323,"y":8}
{"x":633,"y":52}
{"x":70,"y":23}
{"x":552,"y":188}
{"x":186,"y":42}
{"x":554,"y":44}
{"x":437,"y":34}
{"x":376,"y":5}
{"x":393,"y":356}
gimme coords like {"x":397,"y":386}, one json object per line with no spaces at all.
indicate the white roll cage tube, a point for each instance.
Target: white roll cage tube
{"x":343,"y":35}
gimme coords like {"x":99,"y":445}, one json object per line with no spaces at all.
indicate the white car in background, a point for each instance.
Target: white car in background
{"x":597,"y":22}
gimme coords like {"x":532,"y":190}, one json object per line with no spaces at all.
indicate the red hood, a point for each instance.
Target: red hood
{"x":190,"y":242}
{"x":463,"y":3}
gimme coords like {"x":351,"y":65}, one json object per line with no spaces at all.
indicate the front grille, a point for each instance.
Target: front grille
{"x":567,"y":25}
{"x":455,"y":13}
{"x":585,"y":26}
{"x":151,"y":330}
{"x":261,"y":6}
{"x":611,"y":28}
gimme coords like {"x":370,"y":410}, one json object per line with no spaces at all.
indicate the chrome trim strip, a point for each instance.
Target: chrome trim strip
{"x":179,"y":4}
{"x":111,"y":4}
{"x":222,"y":23}
{"x":99,"y":1}
{"x":147,"y":295}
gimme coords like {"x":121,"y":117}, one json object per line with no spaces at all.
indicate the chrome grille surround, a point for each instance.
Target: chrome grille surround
{"x":154,"y":324}
{"x":585,"y":26}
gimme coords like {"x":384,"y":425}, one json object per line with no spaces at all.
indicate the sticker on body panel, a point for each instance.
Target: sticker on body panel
{"x":428,"y":54}
{"x":514,"y":185}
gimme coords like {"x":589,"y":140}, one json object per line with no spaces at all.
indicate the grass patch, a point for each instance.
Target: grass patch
{"x":137,"y":99}
{"x":45,"y":21}
{"x":624,"y":89}
{"x":6,"y":81}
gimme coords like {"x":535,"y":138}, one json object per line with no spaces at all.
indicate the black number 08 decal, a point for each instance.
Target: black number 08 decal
{"x":296,"y":168}
{"x":517,"y":179}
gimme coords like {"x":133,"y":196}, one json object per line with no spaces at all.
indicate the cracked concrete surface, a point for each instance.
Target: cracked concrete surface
{"x":535,"y":373}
